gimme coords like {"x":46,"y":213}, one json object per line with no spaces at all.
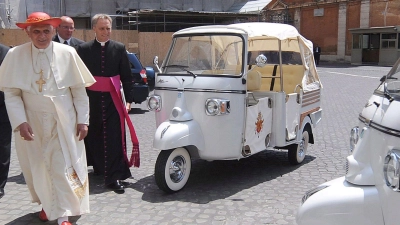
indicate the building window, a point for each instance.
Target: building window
{"x":319,"y":12}
{"x":389,"y":40}
{"x":357,"y":41}
{"x":371,"y":41}
{"x":280,"y":16}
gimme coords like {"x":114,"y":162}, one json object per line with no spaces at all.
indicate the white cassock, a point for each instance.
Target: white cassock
{"x":54,"y":164}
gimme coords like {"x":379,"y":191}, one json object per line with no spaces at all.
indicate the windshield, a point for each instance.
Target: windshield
{"x":206,"y":55}
{"x":393,"y":82}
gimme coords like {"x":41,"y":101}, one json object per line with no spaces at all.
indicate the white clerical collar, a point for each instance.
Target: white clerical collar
{"x":62,"y":40}
{"x":102,"y":43}
{"x":48,"y":50}
{"x":47,"y":53}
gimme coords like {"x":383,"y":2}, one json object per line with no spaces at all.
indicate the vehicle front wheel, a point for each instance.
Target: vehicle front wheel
{"x":297,"y":152}
{"x":172,"y":169}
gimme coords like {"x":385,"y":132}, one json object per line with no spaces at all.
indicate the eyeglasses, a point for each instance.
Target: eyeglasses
{"x":67,"y":28}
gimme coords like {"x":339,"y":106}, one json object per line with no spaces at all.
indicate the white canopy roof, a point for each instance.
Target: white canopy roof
{"x":252,"y":29}
{"x":274,"y":30}
{"x":258,"y":31}
{"x":264,"y":36}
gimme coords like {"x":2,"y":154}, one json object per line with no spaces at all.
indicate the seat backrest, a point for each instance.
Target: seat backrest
{"x":253,"y":80}
{"x":292,"y":76}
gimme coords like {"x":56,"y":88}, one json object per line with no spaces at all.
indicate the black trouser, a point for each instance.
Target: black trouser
{"x":5,"y":151}
{"x":316,"y":57}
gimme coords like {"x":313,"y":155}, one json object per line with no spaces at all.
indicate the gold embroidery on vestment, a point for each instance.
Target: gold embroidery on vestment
{"x":76,"y":184}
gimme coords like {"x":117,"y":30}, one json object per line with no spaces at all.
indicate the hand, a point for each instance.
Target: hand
{"x":81,"y":131}
{"x":128,"y":106}
{"x":26,"y":132}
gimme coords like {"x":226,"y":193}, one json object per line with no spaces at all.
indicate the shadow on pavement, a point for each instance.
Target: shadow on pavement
{"x":210,"y":181}
{"x":96,"y":184}
{"x":33,"y":219}
{"x":30,"y":218}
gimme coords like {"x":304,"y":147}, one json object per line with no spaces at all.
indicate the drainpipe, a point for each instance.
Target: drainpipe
{"x":385,"y":14}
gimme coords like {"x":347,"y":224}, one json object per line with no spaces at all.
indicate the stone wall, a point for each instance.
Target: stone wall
{"x":145,"y":44}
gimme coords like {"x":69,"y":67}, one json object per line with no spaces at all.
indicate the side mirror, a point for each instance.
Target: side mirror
{"x":261,"y":60}
{"x":155,"y":62}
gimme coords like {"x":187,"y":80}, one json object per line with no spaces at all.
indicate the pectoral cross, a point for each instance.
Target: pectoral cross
{"x":41,"y":81}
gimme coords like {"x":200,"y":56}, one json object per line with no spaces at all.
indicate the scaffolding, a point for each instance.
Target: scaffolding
{"x":142,"y":15}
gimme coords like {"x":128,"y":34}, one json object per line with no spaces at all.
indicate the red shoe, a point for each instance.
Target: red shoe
{"x":43,"y":216}
{"x":66,"y":223}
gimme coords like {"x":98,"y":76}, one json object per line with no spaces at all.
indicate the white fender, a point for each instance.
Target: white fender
{"x":341,"y":203}
{"x":359,"y":167}
{"x":171,"y":134}
{"x":304,"y":123}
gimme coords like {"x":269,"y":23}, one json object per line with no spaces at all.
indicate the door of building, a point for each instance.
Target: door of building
{"x":370,"y":48}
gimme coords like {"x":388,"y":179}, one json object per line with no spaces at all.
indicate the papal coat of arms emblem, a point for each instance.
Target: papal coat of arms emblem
{"x":259,"y":123}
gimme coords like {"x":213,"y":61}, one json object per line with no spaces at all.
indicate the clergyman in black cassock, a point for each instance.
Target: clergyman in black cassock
{"x":104,"y":142}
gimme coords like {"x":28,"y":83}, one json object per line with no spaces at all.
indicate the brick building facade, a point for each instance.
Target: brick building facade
{"x":357,"y":31}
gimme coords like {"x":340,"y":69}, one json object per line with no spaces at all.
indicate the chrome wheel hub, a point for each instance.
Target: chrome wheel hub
{"x":301,"y":149}
{"x":177,"y":169}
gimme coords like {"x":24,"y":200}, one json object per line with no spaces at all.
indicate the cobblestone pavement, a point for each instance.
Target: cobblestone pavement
{"x":261,"y":189}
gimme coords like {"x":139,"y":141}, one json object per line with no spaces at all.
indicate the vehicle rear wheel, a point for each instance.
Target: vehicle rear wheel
{"x":297,"y":152}
{"x":172,"y":169}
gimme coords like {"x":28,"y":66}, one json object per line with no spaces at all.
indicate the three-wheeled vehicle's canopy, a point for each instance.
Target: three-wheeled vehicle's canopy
{"x":269,"y":37}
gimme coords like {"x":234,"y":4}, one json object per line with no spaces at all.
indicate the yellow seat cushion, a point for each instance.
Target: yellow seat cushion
{"x":292,"y":76}
{"x":253,"y":80}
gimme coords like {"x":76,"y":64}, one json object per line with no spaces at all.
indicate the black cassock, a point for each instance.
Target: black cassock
{"x":104,"y":142}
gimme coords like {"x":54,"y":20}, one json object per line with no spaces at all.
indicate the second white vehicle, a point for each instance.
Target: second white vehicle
{"x":369,"y":193}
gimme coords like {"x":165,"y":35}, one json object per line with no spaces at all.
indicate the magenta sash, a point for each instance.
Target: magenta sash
{"x":113,"y":85}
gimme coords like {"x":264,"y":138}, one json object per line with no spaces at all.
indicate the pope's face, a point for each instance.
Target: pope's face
{"x":102,"y":29}
{"x":41,"y":35}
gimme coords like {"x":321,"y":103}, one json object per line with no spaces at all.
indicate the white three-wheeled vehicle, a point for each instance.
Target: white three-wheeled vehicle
{"x":228,"y":92}
{"x":369,"y":192}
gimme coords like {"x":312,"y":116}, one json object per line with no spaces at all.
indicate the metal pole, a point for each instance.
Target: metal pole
{"x":280,"y":64}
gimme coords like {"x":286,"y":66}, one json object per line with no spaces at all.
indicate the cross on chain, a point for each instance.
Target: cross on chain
{"x":41,"y":81}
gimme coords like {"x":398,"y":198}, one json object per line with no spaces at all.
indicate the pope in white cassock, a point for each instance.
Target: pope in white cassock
{"x":44,"y":84}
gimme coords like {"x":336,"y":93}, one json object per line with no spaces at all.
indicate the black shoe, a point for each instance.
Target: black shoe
{"x":1,"y":192}
{"x":117,"y":187}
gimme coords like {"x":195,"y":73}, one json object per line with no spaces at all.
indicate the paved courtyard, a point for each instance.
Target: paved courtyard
{"x":261,"y":189}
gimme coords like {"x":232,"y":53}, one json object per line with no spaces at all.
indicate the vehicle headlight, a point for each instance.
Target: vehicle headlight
{"x":217,"y":106}
{"x":391,"y":169}
{"x":312,"y":191}
{"x":354,"y":135}
{"x":154,"y":103}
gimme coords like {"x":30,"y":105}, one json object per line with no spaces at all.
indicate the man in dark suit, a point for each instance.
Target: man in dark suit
{"x":317,"y":54}
{"x":5,"y":131}
{"x":64,"y":33}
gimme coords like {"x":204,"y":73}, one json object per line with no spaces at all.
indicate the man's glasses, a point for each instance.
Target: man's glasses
{"x":67,"y":28}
